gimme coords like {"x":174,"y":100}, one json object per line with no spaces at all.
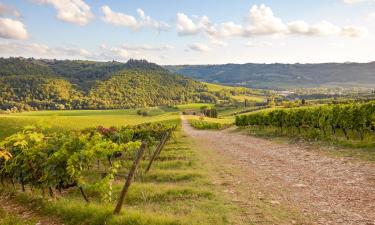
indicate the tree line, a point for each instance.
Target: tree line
{"x":128,"y":89}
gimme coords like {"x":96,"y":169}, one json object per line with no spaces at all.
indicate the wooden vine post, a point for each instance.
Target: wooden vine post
{"x":158,"y":149}
{"x":129,"y":179}
{"x":84,"y":194}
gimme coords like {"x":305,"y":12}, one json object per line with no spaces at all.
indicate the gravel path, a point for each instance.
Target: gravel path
{"x":331,"y":190}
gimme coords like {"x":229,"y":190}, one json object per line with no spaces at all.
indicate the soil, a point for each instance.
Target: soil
{"x":329,"y":190}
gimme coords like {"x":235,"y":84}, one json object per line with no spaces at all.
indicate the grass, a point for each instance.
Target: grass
{"x":177,"y":190}
{"x":7,"y":218}
{"x":66,"y":120}
{"x":204,"y":125}
{"x":261,"y":110}
{"x":193,"y":106}
{"x":237,"y":110}
{"x":242,"y":98}
{"x":217,"y":87}
{"x":225,"y":120}
{"x":335,"y":146}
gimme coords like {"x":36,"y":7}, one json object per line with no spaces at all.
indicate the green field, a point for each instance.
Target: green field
{"x":242,"y":98}
{"x":225,"y":120}
{"x":54,"y":120}
{"x":217,"y":87}
{"x":177,"y":190}
{"x":193,"y":106}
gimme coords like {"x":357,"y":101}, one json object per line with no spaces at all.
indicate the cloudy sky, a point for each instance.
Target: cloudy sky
{"x":190,"y":31}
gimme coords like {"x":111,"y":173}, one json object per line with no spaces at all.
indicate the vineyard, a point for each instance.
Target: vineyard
{"x":204,"y":125}
{"x":352,"y":121}
{"x":60,"y":161}
{"x":130,"y":174}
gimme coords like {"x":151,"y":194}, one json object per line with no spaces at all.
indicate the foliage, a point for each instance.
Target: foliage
{"x":209,"y":111}
{"x":38,"y":84}
{"x":61,"y":159}
{"x":29,"y":84}
{"x":357,"y":117}
{"x":132,"y":89}
{"x":175,"y":191}
{"x":56,"y":121}
{"x":4,"y":154}
{"x":204,"y":125}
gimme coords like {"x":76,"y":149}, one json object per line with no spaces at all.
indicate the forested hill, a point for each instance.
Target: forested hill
{"x":283,"y":75}
{"x":27,"y":84}
{"x":82,"y":73}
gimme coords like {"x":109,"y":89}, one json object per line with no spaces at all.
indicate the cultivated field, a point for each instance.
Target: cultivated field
{"x":205,"y":174}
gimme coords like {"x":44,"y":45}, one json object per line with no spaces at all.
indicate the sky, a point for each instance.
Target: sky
{"x":172,"y":32}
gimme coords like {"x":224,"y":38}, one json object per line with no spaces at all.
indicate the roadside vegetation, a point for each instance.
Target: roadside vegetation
{"x":176,"y":190}
{"x":345,"y":125}
{"x":204,"y":125}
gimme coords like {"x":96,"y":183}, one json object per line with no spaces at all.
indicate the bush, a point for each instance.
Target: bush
{"x":204,"y":125}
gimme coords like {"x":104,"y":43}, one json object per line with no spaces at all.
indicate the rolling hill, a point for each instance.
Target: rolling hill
{"x":39,"y":84}
{"x":276,"y":76}
{"x":28,"y":84}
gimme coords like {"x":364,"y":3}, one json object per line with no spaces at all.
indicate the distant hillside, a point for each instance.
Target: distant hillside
{"x":30,"y":84}
{"x":283,"y":75}
{"x":84,"y":74}
{"x":27,"y":84}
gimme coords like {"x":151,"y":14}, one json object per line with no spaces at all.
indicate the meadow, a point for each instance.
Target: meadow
{"x":80,"y":119}
{"x":177,"y":190}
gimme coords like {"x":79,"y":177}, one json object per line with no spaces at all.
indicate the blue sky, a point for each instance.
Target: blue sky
{"x":190,"y":32}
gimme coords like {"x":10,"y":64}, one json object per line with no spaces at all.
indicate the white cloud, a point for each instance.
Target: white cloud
{"x":202,"y":25}
{"x":219,"y":43}
{"x":351,"y":2}
{"x":71,"y":11}
{"x":112,"y":53}
{"x":261,"y":21}
{"x":118,"y":53}
{"x":185,"y":26}
{"x":146,"y":47}
{"x":325,"y":28}
{"x":121,"y":19}
{"x":354,"y":32}
{"x":371,"y":16}
{"x":40,"y":50}
{"x":127,"y":51}
{"x":229,"y":29}
{"x":118,"y":19}
{"x":199,"y":47}
{"x":12,"y":29}
{"x":298,"y":27}
{"x":6,"y":10}
{"x":260,"y":44}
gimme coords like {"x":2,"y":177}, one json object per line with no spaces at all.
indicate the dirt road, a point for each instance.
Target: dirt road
{"x":330,"y":190}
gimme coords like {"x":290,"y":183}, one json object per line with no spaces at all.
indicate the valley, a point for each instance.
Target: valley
{"x":216,"y":154}
{"x":143,"y":112}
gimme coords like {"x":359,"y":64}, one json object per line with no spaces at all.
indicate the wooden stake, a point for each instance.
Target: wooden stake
{"x":84,"y":195}
{"x":51,"y":192}
{"x":158,"y":149}
{"x":129,"y":179}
